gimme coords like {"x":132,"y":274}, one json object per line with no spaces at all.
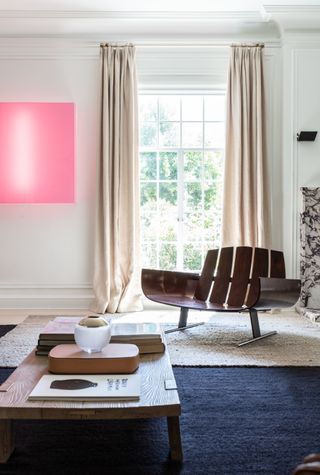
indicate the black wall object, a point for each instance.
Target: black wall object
{"x":304,"y":136}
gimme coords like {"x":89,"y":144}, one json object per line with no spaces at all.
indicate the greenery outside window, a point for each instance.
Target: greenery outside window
{"x":181,"y":164}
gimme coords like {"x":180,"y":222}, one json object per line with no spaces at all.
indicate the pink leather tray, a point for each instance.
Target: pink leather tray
{"x":114,"y":358}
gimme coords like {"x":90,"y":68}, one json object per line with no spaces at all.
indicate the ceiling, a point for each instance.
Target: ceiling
{"x":153,"y":20}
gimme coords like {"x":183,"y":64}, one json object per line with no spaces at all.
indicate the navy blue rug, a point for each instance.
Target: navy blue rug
{"x":234,"y":421}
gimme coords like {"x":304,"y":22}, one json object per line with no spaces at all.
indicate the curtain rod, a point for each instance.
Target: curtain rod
{"x":116,"y":43}
{"x":186,"y":45}
{"x":141,"y":44}
{"x":244,"y":45}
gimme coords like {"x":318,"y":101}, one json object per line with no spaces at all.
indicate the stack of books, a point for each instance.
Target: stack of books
{"x":147,"y":336}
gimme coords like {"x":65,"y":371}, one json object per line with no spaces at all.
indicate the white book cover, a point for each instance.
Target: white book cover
{"x":87,"y":387}
{"x":66,"y":325}
{"x":136,"y":330}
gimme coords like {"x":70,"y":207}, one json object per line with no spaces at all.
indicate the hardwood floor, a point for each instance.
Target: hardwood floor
{"x":15,"y":316}
{"x":160,"y":314}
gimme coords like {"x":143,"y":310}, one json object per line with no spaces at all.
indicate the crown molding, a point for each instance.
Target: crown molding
{"x":302,"y":18}
{"x":204,"y":24}
{"x":221,"y":44}
{"x":248,"y":16}
{"x":291,"y":9}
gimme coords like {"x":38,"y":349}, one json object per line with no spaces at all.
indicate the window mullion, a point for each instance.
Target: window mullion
{"x":180,"y":240}
{"x":158,"y":186}
{"x":202,"y":181}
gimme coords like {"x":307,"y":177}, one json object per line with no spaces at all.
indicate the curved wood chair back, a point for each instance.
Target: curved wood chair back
{"x":230,"y":275}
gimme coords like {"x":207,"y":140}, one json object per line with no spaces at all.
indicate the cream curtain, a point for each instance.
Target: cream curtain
{"x":245,"y":216}
{"x":117,"y":260}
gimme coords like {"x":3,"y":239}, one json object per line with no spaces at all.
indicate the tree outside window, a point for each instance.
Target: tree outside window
{"x":181,"y":164}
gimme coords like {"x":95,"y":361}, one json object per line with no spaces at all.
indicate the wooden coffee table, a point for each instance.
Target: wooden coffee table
{"x":155,"y":401}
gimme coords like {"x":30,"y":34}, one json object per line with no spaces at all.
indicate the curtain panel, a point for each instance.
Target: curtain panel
{"x":245,"y":214}
{"x":116,"y":280}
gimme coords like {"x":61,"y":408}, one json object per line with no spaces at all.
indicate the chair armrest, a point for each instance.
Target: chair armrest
{"x":278,"y":292}
{"x":312,"y":458}
{"x":154,"y":281}
{"x":307,"y":468}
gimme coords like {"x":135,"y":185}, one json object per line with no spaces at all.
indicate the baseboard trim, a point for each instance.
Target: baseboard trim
{"x":70,"y":297}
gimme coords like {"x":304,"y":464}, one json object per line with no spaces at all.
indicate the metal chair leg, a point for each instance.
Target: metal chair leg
{"x":256,"y":333}
{"x":182,"y":325}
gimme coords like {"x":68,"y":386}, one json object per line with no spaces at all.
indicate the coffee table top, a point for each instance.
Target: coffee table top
{"x":155,"y":399}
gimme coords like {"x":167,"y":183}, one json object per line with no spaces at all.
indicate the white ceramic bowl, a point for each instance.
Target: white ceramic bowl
{"x":92,"y":339}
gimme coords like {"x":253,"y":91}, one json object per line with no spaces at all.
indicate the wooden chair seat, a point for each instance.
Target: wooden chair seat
{"x":194,"y":304}
{"x":242,"y":279}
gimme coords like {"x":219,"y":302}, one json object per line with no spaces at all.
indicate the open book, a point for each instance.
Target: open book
{"x":87,"y":387}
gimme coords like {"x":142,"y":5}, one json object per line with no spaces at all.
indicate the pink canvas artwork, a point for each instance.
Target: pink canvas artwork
{"x":37,"y":149}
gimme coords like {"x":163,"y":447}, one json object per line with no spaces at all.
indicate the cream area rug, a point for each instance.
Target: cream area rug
{"x":297,"y":342}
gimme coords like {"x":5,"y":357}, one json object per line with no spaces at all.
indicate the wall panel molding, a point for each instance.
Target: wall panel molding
{"x":294,"y":154}
{"x":300,"y":160}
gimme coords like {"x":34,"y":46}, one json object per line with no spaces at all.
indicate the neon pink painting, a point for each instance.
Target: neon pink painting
{"x":37,"y":152}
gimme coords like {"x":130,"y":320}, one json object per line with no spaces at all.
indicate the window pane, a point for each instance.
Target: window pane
{"x":214,"y":108}
{"x":214,"y":134}
{"x":168,"y":227}
{"x":148,"y":166}
{"x":210,"y":196}
{"x":192,"y":258}
{"x":208,"y":227}
{"x":169,"y":108}
{"x":168,"y":166}
{"x":149,"y":255}
{"x":168,"y":193}
{"x":148,"y":108}
{"x":192,"y":224}
{"x":192,"y":165}
{"x":148,"y":135}
{"x":212,"y":221}
{"x":192,"y":108}
{"x":193,"y":196}
{"x":168,"y":256}
{"x":192,"y":135}
{"x":213,"y":165}
{"x":148,"y":195}
{"x":149,"y":226}
{"x":169,"y":134}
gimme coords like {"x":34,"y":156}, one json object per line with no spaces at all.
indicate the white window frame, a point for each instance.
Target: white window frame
{"x":180,"y":168}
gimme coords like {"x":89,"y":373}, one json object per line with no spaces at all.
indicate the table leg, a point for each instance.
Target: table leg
{"x":175,"y":438}
{"x":6,"y":440}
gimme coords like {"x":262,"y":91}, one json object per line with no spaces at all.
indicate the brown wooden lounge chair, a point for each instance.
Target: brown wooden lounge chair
{"x":232,"y":280}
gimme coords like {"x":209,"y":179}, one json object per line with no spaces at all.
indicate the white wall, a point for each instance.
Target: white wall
{"x":46,"y":251}
{"x":301,"y":160}
{"x":273,"y":85}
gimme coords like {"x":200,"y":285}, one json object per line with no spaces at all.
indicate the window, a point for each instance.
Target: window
{"x":181,"y":161}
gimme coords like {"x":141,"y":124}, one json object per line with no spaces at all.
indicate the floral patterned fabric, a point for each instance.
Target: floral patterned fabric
{"x":310,"y":248}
